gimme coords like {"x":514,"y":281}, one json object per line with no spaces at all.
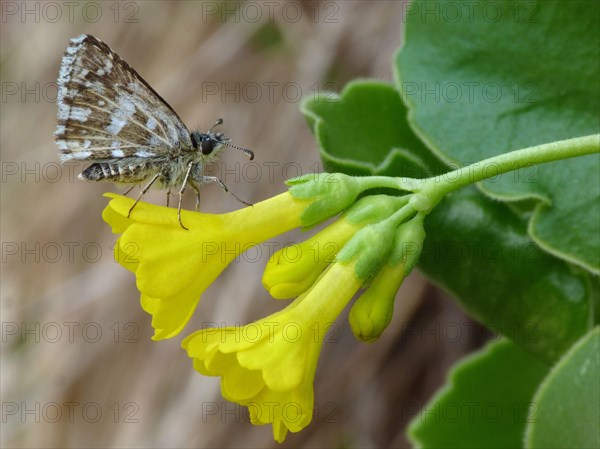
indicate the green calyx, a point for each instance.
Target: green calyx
{"x":331,"y":193}
{"x":371,"y":246}
{"x":374,"y":208}
{"x":292,"y":270}
{"x":372,"y":311}
{"x":408,"y":243}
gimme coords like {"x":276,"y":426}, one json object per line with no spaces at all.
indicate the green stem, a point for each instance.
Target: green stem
{"x":431,"y":190}
{"x":378,"y":182}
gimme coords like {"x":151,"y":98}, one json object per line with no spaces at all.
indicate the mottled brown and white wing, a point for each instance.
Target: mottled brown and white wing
{"x":107,"y":112}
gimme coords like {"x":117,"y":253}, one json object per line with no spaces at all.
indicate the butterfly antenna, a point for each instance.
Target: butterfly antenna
{"x":250,"y":153}
{"x":244,"y":150}
{"x":217,"y":123}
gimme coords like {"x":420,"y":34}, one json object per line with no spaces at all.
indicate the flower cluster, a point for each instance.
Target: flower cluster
{"x":269,"y":365}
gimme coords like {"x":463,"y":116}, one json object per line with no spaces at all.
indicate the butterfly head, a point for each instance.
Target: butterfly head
{"x":207,"y":143}
{"x":211,"y":142}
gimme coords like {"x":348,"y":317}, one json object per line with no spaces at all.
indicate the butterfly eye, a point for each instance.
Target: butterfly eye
{"x":207,"y":146}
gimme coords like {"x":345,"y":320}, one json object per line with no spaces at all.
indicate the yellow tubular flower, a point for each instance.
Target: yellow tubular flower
{"x":173,"y":266}
{"x":269,"y":365}
{"x":292,"y":270}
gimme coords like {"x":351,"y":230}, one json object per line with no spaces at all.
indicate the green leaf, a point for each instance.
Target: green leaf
{"x":494,"y":76}
{"x":364,"y":132}
{"x":486,"y":401}
{"x":568,"y":401}
{"x":479,"y":250}
{"x":476,"y":248}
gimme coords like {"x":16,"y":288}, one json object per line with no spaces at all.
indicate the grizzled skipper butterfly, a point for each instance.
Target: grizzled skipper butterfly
{"x":109,"y":116}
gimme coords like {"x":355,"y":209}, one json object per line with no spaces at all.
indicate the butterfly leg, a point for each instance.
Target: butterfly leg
{"x":168,"y":196}
{"x":154,"y":178}
{"x":129,"y":190}
{"x":224,"y":187}
{"x":181,"y":190}
{"x":197,"y":190}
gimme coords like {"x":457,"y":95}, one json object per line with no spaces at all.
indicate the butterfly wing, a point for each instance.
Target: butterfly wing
{"x":107,"y":113}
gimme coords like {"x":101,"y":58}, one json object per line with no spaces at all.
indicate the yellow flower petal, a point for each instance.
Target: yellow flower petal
{"x":118,"y":221}
{"x":169,"y":316}
{"x":269,"y":365}
{"x":242,"y":384}
{"x":173,"y":266}
{"x":279,"y":431}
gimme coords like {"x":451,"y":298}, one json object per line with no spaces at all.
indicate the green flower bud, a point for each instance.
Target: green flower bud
{"x":372,"y":312}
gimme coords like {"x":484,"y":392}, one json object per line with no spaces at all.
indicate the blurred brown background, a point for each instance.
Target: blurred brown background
{"x":78,"y":366}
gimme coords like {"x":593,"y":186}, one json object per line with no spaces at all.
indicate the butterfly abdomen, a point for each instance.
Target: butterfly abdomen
{"x":116,"y":172}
